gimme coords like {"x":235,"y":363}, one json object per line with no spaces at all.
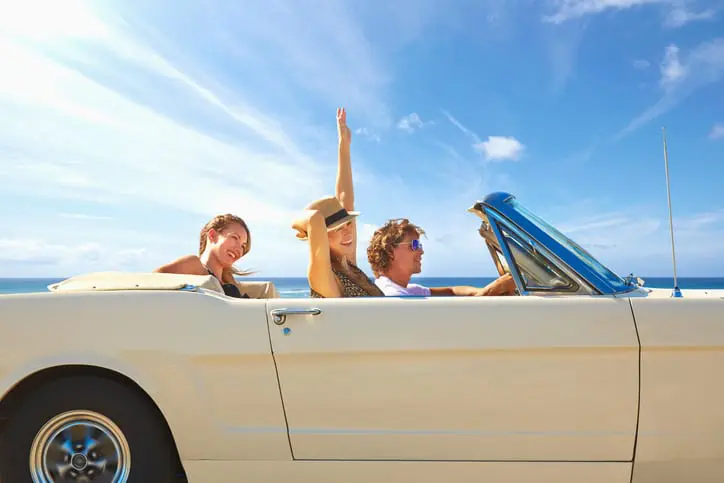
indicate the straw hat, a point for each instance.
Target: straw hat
{"x":333,"y":212}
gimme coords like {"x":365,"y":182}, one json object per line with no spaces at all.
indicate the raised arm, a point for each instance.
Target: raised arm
{"x":344,"y":189}
{"x":319,"y":271}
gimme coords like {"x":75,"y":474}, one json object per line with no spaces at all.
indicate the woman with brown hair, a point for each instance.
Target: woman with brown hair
{"x":330,"y":226}
{"x":223,"y":241}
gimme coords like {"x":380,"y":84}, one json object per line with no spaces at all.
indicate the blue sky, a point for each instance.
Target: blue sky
{"x":124,"y":126}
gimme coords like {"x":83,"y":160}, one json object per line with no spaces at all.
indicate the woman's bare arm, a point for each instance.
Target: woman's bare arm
{"x":188,"y":264}
{"x":344,"y":189}
{"x":319,"y":272}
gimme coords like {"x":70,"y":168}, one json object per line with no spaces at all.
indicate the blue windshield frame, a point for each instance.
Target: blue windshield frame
{"x":573,"y":255}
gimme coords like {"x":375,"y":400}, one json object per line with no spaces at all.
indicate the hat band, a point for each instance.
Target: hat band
{"x":335,"y":217}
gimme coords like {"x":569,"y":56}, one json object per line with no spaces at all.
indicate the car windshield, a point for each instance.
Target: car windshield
{"x":576,"y":249}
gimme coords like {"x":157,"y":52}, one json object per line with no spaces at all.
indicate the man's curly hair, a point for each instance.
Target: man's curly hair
{"x":385,"y":239}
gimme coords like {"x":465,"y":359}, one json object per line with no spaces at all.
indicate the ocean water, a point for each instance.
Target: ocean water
{"x":296,"y":287}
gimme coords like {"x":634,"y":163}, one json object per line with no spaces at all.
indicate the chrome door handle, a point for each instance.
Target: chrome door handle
{"x":279,"y":316}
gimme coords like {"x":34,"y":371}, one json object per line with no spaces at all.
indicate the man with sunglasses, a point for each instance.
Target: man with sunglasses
{"x":395,"y":254}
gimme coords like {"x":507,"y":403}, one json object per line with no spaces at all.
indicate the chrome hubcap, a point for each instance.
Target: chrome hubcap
{"x":80,"y":447}
{"x":79,"y":461}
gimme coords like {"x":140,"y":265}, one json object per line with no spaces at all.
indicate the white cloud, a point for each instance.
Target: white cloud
{"x":671,"y":69}
{"x":680,"y":16}
{"x":717,"y":131}
{"x":494,"y":148}
{"x":677,"y":12}
{"x":681,"y":76}
{"x":501,"y":148}
{"x":571,"y":9}
{"x":411,"y":122}
{"x":641,"y":64}
{"x":367,"y":133}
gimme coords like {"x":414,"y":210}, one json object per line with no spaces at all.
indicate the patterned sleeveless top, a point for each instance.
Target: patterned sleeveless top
{"x":350,"y":288}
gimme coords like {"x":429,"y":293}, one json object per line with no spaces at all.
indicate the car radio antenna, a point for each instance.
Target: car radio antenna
{"x":676,"y":292}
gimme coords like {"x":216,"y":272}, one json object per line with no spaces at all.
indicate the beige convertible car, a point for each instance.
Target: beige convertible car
{"x":153,"y":378}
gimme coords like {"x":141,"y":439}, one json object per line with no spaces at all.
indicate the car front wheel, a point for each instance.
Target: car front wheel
{"x":85,"y":429}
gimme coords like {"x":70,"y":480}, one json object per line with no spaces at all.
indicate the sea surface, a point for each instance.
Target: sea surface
{"x":294,"y":287}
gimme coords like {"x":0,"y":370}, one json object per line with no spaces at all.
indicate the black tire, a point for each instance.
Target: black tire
{"x":152,"y":455}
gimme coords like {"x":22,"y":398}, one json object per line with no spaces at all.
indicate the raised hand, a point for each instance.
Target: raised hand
{"x":345,"y":135}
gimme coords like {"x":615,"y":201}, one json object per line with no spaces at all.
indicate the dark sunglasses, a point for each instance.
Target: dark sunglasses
{"x":414,"y":245}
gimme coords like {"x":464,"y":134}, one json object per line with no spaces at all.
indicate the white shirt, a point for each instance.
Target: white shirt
{"x":389,"y":287}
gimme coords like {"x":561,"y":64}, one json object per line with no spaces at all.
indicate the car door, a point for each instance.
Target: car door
{"x":225,"y":373}
{"x":446,"y":378}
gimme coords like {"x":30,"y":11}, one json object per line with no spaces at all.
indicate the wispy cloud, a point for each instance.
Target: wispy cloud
{"x":641,"y":64}
{"x":565,"y":10}
{"x":133,"y":156}
{"x":562,"y":45}
{"x":459,"y":125}
{"x":368,"y":133}
{"x":108,"y":112}
{"x":67,"y":257}
{"x":320,"y":59}
{"x":451,"y":151}
{"x":717,"y":131}
{"x":680,"y":15}
{"x":681,"y":76}
{"x":411,"y":123}
{"x":672,"y":71}
{"x":616,"y":237}
{"x":700,"y":221}
{"x":596,"y":223}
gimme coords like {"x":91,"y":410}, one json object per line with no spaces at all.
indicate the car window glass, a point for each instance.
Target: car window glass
{"x":537,"y":271}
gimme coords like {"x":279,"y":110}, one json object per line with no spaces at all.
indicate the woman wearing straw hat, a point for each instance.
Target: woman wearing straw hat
{"x":330,"y":227}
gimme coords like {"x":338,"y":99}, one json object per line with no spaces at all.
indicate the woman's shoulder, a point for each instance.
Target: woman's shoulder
{"x":188,"y":264}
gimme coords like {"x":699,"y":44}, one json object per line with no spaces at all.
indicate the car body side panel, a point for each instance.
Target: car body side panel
{"x":453,"y":378}
{"x":681,"y":429}
{"x":405,"y":471}
{"x":204,"y":359}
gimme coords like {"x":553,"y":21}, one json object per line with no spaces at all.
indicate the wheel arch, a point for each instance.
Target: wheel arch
{"x":25,"y":387}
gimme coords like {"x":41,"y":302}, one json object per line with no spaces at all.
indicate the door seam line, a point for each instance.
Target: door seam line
{"x":638,"y":402}
{"x":279,"y":382}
